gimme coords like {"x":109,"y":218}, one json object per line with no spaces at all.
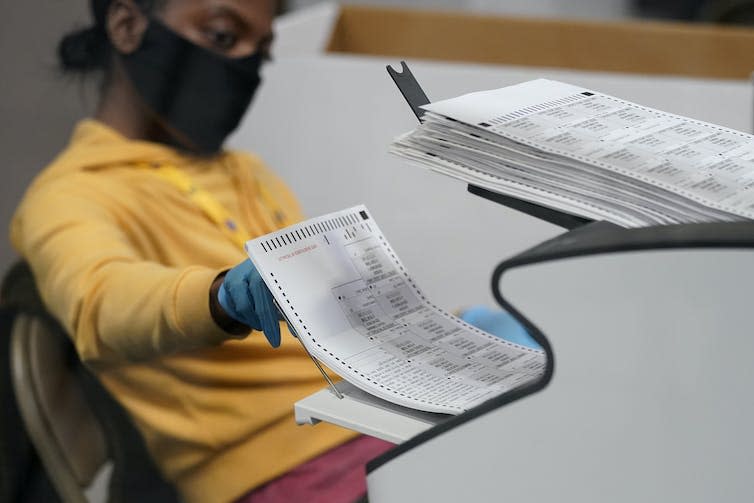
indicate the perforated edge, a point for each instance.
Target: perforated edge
{"x":402,"y":271}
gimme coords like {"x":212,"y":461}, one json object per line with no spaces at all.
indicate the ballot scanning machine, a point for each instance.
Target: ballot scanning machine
{"x":647,"y":393}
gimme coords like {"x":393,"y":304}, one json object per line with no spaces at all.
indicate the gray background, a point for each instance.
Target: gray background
{"x":38,"y":105}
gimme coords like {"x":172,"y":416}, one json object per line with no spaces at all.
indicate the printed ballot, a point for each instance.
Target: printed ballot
{"x":588,"y":154}
{"x":357,"y":310}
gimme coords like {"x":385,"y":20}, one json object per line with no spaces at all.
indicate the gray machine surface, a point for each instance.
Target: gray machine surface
{"x":651,"y":399}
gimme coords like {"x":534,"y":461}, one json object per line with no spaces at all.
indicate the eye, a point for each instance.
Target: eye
{"x":221,"y":40}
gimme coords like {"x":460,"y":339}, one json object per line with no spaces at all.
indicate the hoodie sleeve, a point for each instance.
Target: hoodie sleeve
{"x":116,"y":306}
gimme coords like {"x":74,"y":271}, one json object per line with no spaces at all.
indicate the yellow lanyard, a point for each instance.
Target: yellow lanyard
{"x":204,"y":200}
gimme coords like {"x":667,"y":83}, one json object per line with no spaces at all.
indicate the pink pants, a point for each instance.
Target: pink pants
{"x":337,"y":476}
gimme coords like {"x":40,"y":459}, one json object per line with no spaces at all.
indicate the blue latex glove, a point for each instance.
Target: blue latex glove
{"x":500,"y":324}
{"x":245,"y":298}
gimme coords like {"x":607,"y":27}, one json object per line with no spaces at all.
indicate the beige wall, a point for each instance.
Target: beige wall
{"x":37,"y":104}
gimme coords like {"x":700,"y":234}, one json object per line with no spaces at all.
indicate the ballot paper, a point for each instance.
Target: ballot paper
{"x":357,"y":310}
{"x":588,"y":154}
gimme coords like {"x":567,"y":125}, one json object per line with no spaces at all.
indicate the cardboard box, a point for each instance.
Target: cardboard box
{"x":696,"y":50}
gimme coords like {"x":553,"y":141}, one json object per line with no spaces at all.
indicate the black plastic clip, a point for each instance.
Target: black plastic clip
{"x":410,"y":88}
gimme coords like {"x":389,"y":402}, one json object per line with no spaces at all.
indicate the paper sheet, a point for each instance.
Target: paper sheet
{"x":359,"y":312}
{"x":588,"y":153}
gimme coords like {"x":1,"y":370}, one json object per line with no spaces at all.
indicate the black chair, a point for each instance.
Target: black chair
{"x":73,"y":423}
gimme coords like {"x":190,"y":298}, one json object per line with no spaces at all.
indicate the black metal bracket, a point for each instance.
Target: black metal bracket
{"x":409,"y":88}
{"x":555,"y":217}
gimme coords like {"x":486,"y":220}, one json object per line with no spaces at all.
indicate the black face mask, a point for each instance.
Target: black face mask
{"x":199,"y":95}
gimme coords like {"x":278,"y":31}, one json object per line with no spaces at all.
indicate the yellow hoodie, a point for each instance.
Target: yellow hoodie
{"x":125,"y":261}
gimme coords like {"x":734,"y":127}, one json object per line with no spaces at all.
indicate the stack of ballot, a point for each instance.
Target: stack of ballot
{"x":588,"y":154}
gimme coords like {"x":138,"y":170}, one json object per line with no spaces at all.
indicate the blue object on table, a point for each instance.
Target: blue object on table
{"x":500,"y":324}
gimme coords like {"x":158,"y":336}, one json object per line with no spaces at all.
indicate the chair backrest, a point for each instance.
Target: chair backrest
{"x":61,"y":424}
{"x":72,"y":420}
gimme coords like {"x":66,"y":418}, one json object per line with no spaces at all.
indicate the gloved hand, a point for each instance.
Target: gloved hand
{"x":245,"y":298}
{"x":500,"y":324}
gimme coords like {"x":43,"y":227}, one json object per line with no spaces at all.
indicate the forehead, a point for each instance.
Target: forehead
{"x":256,"y":13}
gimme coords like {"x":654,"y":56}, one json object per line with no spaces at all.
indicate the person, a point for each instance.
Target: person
{"x":134,"y":235}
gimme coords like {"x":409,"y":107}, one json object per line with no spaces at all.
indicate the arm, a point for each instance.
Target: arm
{"x":116,"y":305}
